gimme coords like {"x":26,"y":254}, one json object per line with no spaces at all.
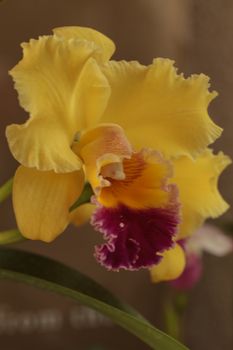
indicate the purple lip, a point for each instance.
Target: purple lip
{"x":135,"y":237}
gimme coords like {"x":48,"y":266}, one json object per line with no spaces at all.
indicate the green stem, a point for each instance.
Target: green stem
{"x":172,"y":321}
{"x":10,"y":236}
{"x":6,"y":190}
{"x":174,"y":309}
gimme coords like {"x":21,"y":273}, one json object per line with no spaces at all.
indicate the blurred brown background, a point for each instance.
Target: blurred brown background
{"x":198,"y":35}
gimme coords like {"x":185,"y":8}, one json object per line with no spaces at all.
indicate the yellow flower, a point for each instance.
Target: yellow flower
{"x":139,"y":135}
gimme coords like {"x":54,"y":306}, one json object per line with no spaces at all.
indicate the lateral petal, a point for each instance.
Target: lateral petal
{"x":53,"y":80}
{"x":42,"y":200}
{"x":106,"y":46}
{"x":197,"y":181}
{"x":159,"y":108}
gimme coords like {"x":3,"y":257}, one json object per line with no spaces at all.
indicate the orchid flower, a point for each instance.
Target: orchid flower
{"x":207,"y":239}
{"x":138,"y":134}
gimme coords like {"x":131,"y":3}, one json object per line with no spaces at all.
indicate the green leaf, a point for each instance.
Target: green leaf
{"x":6,"y":189}
{"x":48,"y":274}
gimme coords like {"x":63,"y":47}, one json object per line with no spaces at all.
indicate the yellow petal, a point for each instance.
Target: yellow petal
{"x":42,"y":200}
{"x":171,"y":266}
{"x":144,"y":185}
{"x":82,"y":214}
{"x":103,"y":149}
{"x":159,"y":108}
{"x":105,"y":45}
{"x":197,"y":181}
{"x":43,"y":144}
{"x":92,"y":96}
{"x":55,"y":80}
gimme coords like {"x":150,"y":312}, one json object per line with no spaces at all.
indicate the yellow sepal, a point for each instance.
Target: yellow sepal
{"x":171,"y":266}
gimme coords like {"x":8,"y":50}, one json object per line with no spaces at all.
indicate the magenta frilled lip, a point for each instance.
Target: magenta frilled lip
{"x":135,"y":238}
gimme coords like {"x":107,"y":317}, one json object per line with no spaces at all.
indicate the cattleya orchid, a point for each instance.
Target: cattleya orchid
{"x":207,"y":239}
{"x":139,"y":135}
